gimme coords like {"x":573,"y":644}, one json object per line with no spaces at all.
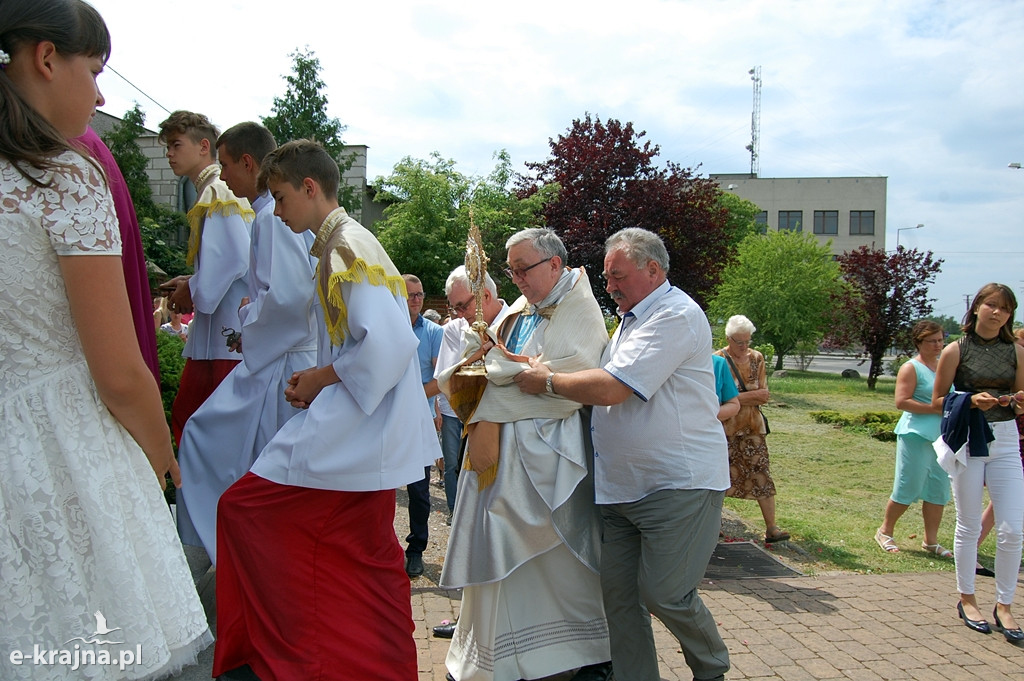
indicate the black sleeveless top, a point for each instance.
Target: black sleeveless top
{"x":989,"y":367}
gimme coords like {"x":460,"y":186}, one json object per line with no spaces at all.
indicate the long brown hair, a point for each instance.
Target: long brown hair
{"x":1010,"y":300}
{"x":75,"y":28}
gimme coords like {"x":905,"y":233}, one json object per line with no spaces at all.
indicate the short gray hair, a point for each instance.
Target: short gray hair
{"x":543,"y":239}
{"x":739,"y":323}
{"x":459,"y":275}
{"x":640,"y":246}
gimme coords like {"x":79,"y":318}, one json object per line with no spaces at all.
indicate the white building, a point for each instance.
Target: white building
{"x":848,"y":210}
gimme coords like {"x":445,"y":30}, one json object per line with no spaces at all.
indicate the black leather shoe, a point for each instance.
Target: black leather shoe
{"x":1011,"y":635}
{"x":414,"y":565}
{"x":976,"y":625}
{"x":594,"y":672}
{"x":983,"y":571}
{"x":446,"y":630}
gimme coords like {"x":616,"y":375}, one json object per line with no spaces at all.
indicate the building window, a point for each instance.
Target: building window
{"x":862,"y":222}
{"x":826,"y":222}
{"x":791,"y":220}
{"x":761,"y":222}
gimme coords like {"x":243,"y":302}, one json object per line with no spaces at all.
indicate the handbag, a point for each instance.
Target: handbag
{"x":743,"y":389}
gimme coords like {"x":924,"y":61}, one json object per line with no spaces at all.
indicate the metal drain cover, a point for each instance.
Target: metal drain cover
{"x":745,"y":560}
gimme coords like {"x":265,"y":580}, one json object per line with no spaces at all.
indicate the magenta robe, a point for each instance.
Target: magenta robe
{"x":133,"y":260}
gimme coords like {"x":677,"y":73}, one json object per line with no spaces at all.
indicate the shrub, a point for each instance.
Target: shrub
{"x":768,"y":350}
{"x":877,"y":424}
{"x":893,"y":367}
{"x":168,"y":350}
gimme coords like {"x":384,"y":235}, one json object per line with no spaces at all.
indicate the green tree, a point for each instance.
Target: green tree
{"x":122,"y":140}
{"x":950,"y":326}
{"x":740,"y":221}
{"x":302,"y":114}
{"x":425,"y":226}
{"x":160,"y":226}
{"x":784,"y":282}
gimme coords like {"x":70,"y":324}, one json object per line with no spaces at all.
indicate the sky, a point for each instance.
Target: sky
{"x":929,"y":94}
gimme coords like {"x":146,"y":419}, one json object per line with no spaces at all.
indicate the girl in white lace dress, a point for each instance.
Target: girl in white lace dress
{"x":91,"y":570}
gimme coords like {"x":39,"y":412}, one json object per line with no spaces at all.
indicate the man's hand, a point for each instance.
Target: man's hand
{"x":533,"y":381}
{"x":179,"y":295}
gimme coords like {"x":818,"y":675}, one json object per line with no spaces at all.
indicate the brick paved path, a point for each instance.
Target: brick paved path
{"x":847,"y":626}
{"x":839,"y":626}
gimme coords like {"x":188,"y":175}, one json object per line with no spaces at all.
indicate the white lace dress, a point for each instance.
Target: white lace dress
{"x":90,"y":563}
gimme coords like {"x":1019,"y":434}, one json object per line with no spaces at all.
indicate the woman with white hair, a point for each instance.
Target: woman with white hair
{"x":749,"y":472}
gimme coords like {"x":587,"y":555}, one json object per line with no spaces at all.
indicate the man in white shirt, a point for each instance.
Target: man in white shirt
{"x":660,"y":459}
{"x":462,"y":306}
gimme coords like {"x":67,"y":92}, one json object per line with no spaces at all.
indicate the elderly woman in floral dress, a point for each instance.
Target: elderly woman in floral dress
{"x":748,"y":452}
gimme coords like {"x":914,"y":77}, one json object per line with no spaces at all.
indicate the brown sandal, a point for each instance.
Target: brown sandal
{"x":778,"y":535}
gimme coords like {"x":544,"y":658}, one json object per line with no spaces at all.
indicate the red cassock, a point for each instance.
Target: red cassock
{"x":311,"y":584}
{"x":199,"y":379}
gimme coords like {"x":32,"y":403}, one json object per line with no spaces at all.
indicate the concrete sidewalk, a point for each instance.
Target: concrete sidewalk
{"x":843,"y":626}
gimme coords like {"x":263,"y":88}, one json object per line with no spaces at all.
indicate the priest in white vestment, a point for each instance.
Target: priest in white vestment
{"x":525,"y":535}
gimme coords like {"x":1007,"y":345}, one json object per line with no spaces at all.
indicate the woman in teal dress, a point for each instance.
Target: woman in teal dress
{"x":918,"y":474}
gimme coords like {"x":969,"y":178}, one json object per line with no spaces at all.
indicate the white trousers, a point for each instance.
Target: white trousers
{"x":1001,"y":472}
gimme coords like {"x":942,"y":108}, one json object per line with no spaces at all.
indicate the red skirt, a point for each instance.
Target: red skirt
{"x":311,"y":585}
{"x":199,"y":379}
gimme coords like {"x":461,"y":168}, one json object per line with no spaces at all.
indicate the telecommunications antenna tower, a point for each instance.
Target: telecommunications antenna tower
{"x":755,"y":124}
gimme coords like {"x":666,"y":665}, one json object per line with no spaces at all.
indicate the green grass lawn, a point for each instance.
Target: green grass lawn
{"x":833,"y":484}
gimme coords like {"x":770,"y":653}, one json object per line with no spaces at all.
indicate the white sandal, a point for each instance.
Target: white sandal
{"x":886,"y":542}
{"x":937,"y":549}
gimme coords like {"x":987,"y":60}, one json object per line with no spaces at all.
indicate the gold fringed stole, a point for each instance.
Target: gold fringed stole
{"x":211,"y":202}
{"x":345,"y":250}
{"x":335,"y":311}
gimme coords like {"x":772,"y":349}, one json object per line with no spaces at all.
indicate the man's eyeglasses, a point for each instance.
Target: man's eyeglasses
{"x":521,"y":272}
{"x":417,"y":295}
{"x":460,"y":308}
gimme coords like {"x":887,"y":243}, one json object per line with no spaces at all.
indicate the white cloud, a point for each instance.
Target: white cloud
{"x":927,"y":93}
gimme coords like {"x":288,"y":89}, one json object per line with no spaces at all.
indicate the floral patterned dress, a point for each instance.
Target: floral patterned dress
{"x":89,"y":557}
{"x":748,"y":452}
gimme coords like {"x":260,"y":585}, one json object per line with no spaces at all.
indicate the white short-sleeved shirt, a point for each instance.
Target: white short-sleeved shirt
{"x":666,"y":435}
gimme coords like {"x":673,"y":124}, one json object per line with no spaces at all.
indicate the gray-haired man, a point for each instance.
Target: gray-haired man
{"x":660,"y":461}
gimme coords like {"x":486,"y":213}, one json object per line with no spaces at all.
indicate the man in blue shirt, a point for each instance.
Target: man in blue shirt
{"x":429,"y":335}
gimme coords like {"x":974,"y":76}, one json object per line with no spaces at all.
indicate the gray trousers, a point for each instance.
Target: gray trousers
{"x":653,"y":555}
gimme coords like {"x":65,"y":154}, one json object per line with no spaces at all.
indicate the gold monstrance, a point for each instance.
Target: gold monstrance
{"x":476,"y":272}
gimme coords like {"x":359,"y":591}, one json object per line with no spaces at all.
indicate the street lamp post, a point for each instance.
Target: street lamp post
{"x":1015,"y":165}
{"x":903,"y":229}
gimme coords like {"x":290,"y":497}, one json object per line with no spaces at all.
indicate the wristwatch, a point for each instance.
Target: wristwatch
{"x":548,"y":385}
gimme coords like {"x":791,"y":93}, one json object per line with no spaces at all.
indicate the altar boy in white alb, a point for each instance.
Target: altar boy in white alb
{"x":278,"y":324}
{"x":306,"y":541}
{"x":218,"y":248}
